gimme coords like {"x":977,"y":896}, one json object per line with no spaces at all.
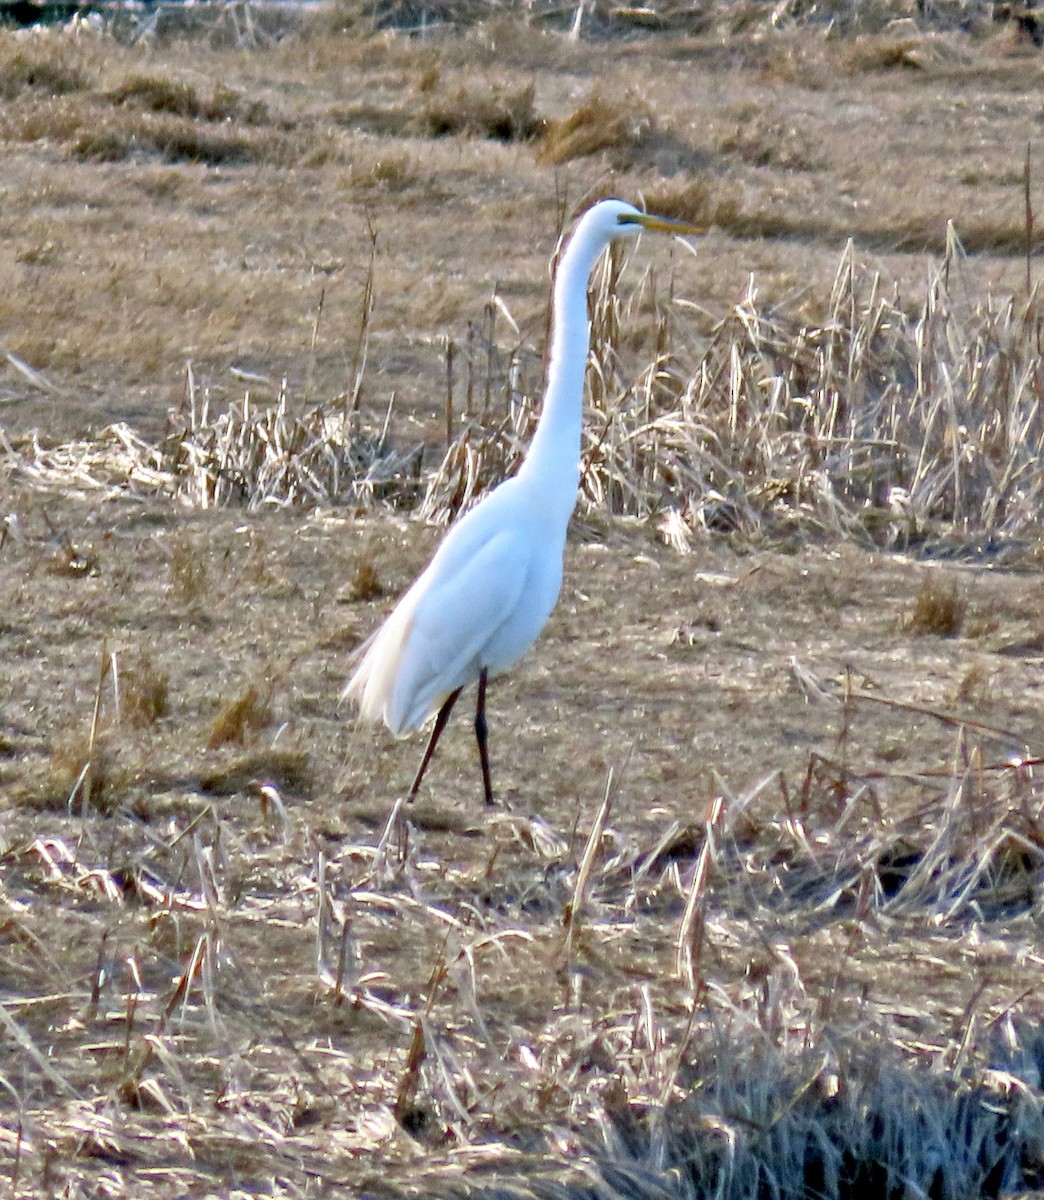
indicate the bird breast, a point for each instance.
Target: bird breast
{"x":481,"y":603}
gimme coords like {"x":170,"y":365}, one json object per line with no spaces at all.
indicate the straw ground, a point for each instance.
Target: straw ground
{"x":760,"y":911}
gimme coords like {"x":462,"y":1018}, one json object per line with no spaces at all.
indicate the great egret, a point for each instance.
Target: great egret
{"x":490,"y":588}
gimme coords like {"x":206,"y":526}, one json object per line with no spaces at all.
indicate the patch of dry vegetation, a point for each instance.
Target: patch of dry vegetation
{"x":827,"y":977}
{"x":909,"y":423}
{"x":189,"y":572}
{"x":242,"y":717}
{"x":232,"y":962}
{"x":461,"y":104}
{"x":38,"y":69}
{"x":505,"y":115}
{"x":116,"y":135}
{"x":895,"y":424}
{"x":157,"y":93}
{"x":719,"y":1011}
{"x":742,"y":17}
{"x":620,"y":126}
{"x":57,"y":93}
{"x":366,"y":582}
{"x":385,"y":115}
{"x":257,"y":454}
{"x":145,"y":691}
{"x":939,"y":608}
{"x":762,"y":139}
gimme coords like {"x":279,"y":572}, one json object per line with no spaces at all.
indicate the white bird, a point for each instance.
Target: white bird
{"x":490,"y":588}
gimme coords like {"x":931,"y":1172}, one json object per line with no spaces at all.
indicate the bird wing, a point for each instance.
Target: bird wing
{"x":454,"y":618}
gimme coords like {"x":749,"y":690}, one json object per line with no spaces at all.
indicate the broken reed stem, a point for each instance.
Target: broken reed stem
{"x":86,"y":776}
{"x":114,"y":670}
{"x":12,"y":1091}
{"x":841,"y":742}
{"x":492,"y":352}
{"x":183,"y":983}
{"x":410,"y":1078}
{"x":98,"y":977}
{"x":571,"y":917}
{"x":1026,"y":181}
{"x":417,"y":1051}
{"x":21,"y":1038}
{"x":964,"y":1030}
{"x":322,"y":916}
{"x":132,"y":1008}
{"x":103,"y":670}
{"x":362,"y":341}
{"x":683,"y":1048}
{"x":450,"y":350}
{"x":469,"y":391}
{"x":342,"y":960}
{"x":952,"y":719}
{"x":310,"y":371}
{"x":382,"y":441}
{"x":326,"y":919}
{"x":690,"y":931}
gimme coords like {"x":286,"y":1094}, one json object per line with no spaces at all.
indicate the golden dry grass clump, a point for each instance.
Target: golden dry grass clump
{"x":40,"y":70}
{"x":159,"y":93}
{"x":503,"y":114}
{"x":912,"y":425}
{"x":241,"y":717}
{"x":619,"y":126}
{"x":56,"y":92}
{"x":939,"y":608}
{"x":146,"y":691}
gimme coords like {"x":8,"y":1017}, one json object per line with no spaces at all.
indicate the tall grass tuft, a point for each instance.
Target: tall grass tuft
{"x":884,"y":422}
{"x":914,"y":423}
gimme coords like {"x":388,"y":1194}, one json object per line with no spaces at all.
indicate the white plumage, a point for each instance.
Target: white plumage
{"x":489,"y":589}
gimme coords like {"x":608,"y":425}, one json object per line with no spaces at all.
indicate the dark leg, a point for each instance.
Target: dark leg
{"x":482,"y":733}
{"x":433,"y":741}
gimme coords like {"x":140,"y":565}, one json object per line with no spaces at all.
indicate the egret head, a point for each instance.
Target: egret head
{"x":614,"y":219}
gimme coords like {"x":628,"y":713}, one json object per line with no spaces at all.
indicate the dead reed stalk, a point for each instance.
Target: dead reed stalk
{"x":912,"y":426}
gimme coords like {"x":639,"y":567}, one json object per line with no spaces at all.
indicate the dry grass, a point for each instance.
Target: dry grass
{"x":79,"y":777}
{"x":244,"y":968}
{"x":939,"y":608}
{"x":140,"y":114}
{"x":242,"y":717}
{"x":145,"y":691}
{"x":759,"y":911}
{"x":158,"y":93}
{"x":32,"y":70}
{"x":760,"y":139}
{"x":366,"y":583}
{"x":913,"y":425}
{"x":505,"y":115}
{"x":338,"y":130}
{"x":826,"y":977}
{"x":188,"y":572}
{"x":120,"y":136}
{"x":719,"y":19}
{"x":471,"y":107}
{"x":620,"y":125}
{"x":264,"y":455}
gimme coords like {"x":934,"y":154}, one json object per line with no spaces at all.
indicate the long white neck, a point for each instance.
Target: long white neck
{"x":552,"y":464}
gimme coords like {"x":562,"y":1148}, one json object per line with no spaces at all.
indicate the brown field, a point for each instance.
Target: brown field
{"x":760,"y":909}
